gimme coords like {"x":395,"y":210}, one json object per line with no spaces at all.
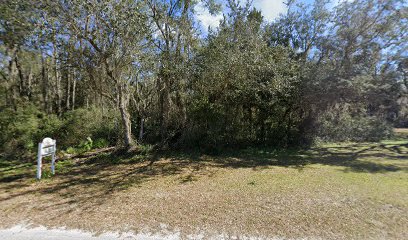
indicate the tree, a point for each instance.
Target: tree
{"x":114,"y":33}
{"x":244,"y":90}
{"x":175,"y":38}
{"x":16,"y":30}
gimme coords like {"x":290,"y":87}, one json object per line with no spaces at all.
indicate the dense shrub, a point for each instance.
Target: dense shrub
{"x":21,"y":130}
{"x":340,"y":124}
{"x":83,"y":123}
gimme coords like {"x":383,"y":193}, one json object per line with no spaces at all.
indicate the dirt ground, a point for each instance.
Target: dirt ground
{"x":334,"y":191}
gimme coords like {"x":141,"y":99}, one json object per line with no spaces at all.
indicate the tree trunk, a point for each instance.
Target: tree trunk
{"x":13,"y":79}
{"x":44,"y":83}
{"x":127,"y":137}
{"x":68,"y":92}
{"x":73,"y":92}
{"x":141,"y":132}
{"x":29,"y":85}
{"x":164,"y":102}
{"x":50,"y":97}
{"x":57,"y":79}
{"x":21,"y":86}
{"x":125,"y":116}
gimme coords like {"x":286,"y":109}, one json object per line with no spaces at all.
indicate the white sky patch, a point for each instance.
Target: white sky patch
{"x":270,"y":8}
{"x":205,"y":18}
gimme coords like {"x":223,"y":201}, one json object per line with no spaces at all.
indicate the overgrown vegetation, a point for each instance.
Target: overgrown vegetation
{"x":101,"y":73}
{"x":76,"y":131}
{"x":342,"y":125}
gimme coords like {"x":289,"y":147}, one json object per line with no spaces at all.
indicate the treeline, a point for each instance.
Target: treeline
{"x":140,"y":71}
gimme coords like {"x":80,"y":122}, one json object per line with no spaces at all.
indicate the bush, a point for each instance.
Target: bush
{"x":17,"y":129}
{"x":341,"y":124}
{"x":21,"y":130}
{"x":101,"y":143}
{"x":81,"y":124}
{"x":84,"y":146}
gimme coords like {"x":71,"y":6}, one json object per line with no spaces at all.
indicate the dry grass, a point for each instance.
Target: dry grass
{"x":401,"y":130}
{"x":337,"y":191}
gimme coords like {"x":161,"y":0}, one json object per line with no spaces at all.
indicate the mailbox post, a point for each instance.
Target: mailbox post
{"x":47,"y":147}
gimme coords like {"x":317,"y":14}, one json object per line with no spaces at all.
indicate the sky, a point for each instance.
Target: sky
{"x":270,"y":10}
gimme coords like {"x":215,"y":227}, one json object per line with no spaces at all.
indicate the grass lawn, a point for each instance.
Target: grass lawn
{"x":336,"y":191}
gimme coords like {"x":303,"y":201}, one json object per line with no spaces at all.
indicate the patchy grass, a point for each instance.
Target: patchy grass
{"x":336,"y":191}
{"x":403,"y":131}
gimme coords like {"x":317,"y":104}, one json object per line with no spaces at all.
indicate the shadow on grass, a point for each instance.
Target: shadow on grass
{"x":359,"y":157}
{"x":93,"y":180}
{"x":355,"y":158}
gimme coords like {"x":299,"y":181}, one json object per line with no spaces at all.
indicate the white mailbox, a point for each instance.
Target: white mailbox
{"x":47,"y":147}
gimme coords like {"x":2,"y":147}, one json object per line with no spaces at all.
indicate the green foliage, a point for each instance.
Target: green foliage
{"x":82,"y":125}
{"x":71,"y":150}
{"x":145,"y":149}
{"x":23,"y":129}
{"x":100,"y":143}
{"x":84,"y":146}
{"x":18,"y":129}
{"x":333,"y":72}
{"x":244,"y":89}
{"x":340,"y":124}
